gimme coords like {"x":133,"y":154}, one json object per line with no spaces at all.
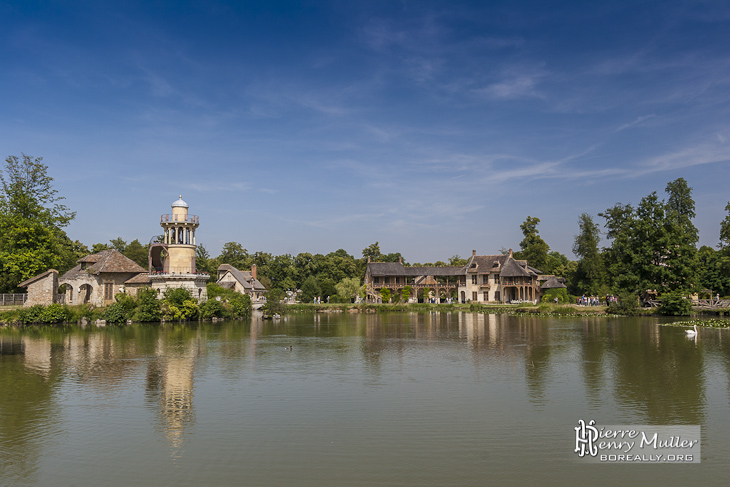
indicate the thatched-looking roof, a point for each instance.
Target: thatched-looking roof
{"x":553,"y":282}
{"x":387,"y":269}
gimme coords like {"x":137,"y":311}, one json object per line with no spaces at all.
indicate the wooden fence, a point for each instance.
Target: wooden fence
{"x":13,"y":299}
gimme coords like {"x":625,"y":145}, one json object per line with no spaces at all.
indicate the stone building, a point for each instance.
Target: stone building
{"x":243,"y":282}
{"x":499,"y":278}
{"x":438,"y":282}
{"x":98,"y":277}
{"x":172,"y":258}
{"x":42,"y":289}
{"x":485,"y":278}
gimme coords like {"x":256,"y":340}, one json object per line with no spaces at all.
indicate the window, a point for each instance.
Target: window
{"x":397,"y":280}
{"x":474,"y":296}
{"x":474,"y":279}
{"x":376,"y":280}
{"x":486,"y":296}
{"x":496,"y":278}
{"x":485,"y":279}
{"x":108,"y":291}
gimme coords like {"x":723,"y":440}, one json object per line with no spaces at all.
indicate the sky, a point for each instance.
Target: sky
{"x":434,"y":128}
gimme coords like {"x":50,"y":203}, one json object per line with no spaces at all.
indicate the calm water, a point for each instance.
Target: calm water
{"x":439,"y":399}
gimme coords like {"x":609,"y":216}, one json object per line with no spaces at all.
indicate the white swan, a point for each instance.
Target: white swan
{"x":691,"y":333}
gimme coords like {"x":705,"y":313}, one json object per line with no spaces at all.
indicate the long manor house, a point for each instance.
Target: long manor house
{"x":484,"y":279}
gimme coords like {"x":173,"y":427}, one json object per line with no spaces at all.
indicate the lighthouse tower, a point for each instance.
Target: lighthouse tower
{"x":172,"y":257}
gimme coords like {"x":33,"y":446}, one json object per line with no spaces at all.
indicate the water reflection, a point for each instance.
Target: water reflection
{"x":29,"y":419}
{"x":170,"y":379}
{"x":401,"y":370}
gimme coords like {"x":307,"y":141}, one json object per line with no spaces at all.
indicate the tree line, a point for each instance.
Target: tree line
{"x":652,"y":246}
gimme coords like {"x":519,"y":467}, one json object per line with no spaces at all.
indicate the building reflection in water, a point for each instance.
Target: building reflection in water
{"x":170,"y":382}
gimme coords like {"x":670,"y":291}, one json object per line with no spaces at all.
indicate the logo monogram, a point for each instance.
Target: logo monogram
{"x":585,"y":437}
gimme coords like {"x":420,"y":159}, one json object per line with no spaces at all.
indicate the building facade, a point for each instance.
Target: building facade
{"x":244,"y":282}
{"x":98,"y":277}
{"x":484,"y":279}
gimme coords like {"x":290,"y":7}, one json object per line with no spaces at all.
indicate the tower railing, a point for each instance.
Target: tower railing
{"x":179,"y":218}
{"x":184,"y":270}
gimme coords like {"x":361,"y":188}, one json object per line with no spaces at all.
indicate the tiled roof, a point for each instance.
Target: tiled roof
{"x":141,"y":278}
{"x":36,"y":278}
{"x":245,"y":278}
{"x":109,"y":260}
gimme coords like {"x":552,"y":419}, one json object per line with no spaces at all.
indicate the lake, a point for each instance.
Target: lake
{"x":399,"y":399}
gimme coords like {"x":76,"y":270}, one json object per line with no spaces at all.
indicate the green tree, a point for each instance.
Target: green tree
{"x":725,"y":230}
{"x":348,"y":287}
{"x":31,"y":222}
{"x":654,"y":245}
{"x":533,"y":248}
{"x":99,"y":247}
{"x":202,"y":260}
{"x":234,"y":254}
{"x":714,"y":269}
{"x":137,"y":252}
{"x":618,"y":258}
{"x":372,"y":251}
{"x":456,"y":260}
{"x":328,"y":287}
{"x":119,"y":245}
{"x":681,"y":258}
{"x":310,"y":290}
{"x":589,"y":274}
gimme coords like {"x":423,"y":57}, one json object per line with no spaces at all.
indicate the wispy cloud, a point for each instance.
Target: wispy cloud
{"x":638,"y":121}
{"x":514,"y":82}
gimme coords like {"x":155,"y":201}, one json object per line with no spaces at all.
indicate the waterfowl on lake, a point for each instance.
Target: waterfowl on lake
{"x":691,"y":333}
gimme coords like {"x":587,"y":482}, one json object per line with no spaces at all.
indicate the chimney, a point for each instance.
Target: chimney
{"x":368,"y":259}
{"x":510,"y":252}
{"x":253,"y":271}
{"x":400,"y":260}
{"x":474,"y":253}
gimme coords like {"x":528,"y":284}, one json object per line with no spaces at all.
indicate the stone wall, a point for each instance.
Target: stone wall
{"x":43,"y":290}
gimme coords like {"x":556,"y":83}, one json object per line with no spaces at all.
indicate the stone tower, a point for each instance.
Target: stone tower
{"x":172,"y":257}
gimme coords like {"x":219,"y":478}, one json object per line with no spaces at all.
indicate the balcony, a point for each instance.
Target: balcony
{"x":167,"y":218}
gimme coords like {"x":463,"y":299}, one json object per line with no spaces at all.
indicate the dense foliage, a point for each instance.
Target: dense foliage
{"x":32,"y":219}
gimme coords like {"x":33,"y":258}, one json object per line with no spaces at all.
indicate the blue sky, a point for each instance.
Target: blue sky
{"x":434,"y":128}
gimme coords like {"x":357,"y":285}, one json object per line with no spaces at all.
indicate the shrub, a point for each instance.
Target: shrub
{"x":115,"y":313}
{"x":240,"y":305}
{"x":551,"y":294}
{"x":212,"y":309}
{"x":187,"y":310}
{"x":385,"y":294}
{"x":627,"y":304}
{"x":148,"y":306}
{"x":406,"y":293}
{"x":177,"y":296}
{"x":34,"y":314}
{"x":675,"y":304}
{"x":273,"y":302}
